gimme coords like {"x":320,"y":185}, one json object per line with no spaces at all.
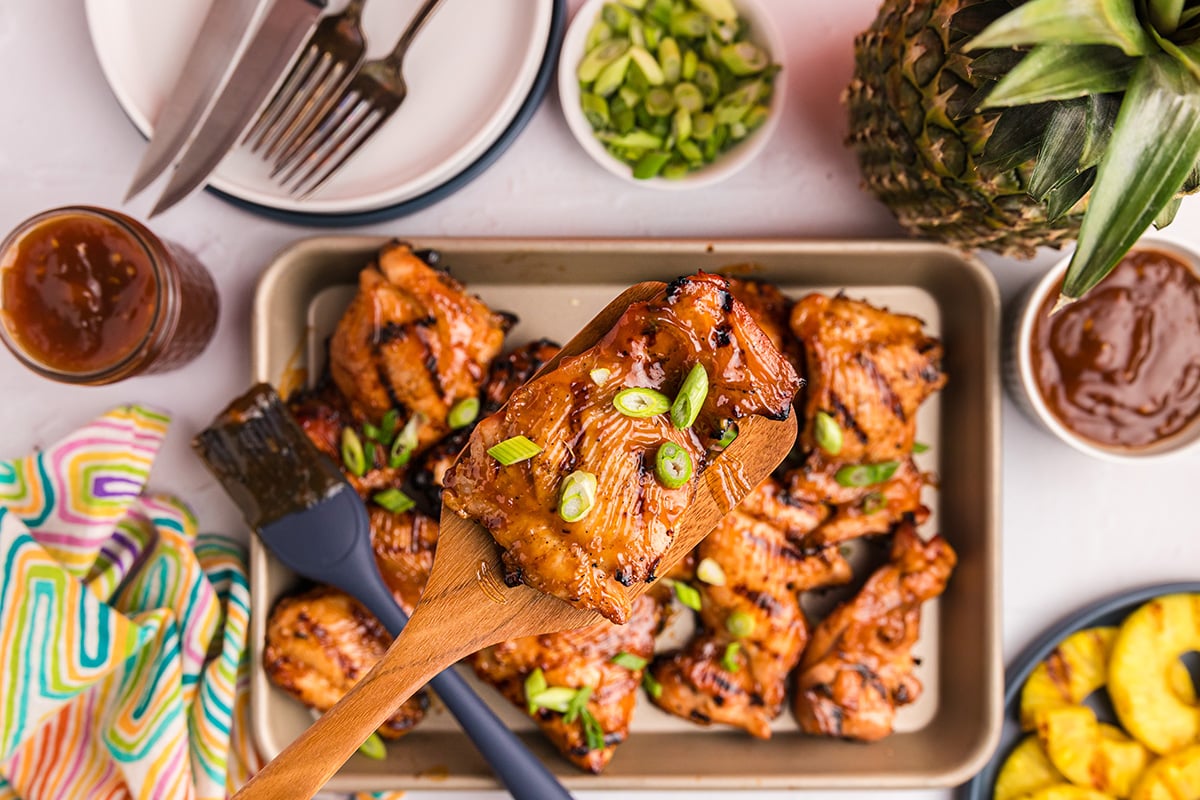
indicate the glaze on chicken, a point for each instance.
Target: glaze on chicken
{"x":591,"y":563}
{"x":321,"y":643}
{"x":870,"y":370}
{"x":859,"y":667}
{"x":763,"y":572}
{"x":575,"y":659}
{"x":412,"y":339}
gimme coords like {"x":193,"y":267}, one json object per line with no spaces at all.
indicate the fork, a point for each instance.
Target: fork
{"x":333,"y":53}
{"x":366,"y":103}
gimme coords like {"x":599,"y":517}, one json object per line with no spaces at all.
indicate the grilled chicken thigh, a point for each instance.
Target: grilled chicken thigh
{"x":414,"y":340}
{"x":763,"y":573}
{"x":630,"y":514}
{"x":870,"y":370}
{"x":858,"y":667}
{"x":404,"y":545}
{"x":574,"y":660}
{"x":321,"y":643}
{"x":772,"y":311}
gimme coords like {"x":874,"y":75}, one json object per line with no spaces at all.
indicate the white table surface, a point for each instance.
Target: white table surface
{"x":1074,"y":529}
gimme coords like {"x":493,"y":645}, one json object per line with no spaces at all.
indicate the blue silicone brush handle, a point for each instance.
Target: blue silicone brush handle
{"x":303,"y":543}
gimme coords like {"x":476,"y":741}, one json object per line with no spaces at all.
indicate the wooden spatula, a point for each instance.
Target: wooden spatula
{"x":467,"y":607}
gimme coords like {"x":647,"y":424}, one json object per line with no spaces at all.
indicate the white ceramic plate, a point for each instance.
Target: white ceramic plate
{"x":468,"y":72}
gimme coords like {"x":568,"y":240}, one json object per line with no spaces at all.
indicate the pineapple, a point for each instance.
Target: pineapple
{"x":1009,"y":125}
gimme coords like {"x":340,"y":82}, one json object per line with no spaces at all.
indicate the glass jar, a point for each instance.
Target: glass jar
{"x":91,"y":296}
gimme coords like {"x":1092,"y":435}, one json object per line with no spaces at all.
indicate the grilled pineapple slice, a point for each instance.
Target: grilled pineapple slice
{"x":1072,"y":671}
{"x":1173,"y":777}
{"x":1065,"y":791}
{"x":1141,"y":673}
{"x":1027,"y":769}
{"x":1089,"y":754}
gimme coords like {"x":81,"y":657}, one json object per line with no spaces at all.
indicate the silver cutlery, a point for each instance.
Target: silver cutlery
{"x":374,"y":94}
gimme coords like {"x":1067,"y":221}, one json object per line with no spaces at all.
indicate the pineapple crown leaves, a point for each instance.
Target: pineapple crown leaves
{"x":1109,"y":99}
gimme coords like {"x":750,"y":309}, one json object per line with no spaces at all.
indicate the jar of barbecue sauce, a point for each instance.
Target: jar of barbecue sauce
{"x":90,"y":296}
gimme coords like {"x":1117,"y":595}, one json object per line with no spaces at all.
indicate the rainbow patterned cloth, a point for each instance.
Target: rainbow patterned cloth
{"x":123,"y":662}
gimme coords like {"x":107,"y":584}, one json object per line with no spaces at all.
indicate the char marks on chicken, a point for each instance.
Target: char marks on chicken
{"x":859,"y":666}
{"x":593,"y":562}
{"x":320,"y":643}
{"x":762,"y":572}
{"x":575,"y":660}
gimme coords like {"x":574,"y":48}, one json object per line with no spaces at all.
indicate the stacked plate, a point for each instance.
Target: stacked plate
{"x":476,"y":74}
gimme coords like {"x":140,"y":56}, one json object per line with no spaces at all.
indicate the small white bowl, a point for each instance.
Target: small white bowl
{"x":762,"y":32}
{"x":1022,"y":384}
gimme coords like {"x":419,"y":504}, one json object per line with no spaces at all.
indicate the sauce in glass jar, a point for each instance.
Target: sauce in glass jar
{"x":91,"y":296}
{"x":1121,"y":366}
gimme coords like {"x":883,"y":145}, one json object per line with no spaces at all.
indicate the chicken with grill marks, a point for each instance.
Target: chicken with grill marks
{"x":627,"y":525}
{"x":320,"y":643}
{"x":859,"y":666}
{"x":412,"y":339}
{"x":574,"y":660}
{"x":763,"y":572}
{"x":772,"y":310}
{"x":870,"y":370}
{"x":404,"y":546}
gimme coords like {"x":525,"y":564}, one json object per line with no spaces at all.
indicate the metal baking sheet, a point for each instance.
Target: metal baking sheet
{"x":555,"y":286}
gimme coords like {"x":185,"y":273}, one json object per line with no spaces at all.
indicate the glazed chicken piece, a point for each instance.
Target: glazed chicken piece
{"x":322,"y":414}
{"x":321,"y":643}
{"x":859,"y":667}
{"x":628,"y":524}
{"x":848,"y":512}
{"x":404,"y":545}
{"x":575,"y":659}
{"x":414,"y":340}
{"x":763,"y":573}
{"x":772,"y":311}
{"x":505,"y":374}
{"x":870,"y":370}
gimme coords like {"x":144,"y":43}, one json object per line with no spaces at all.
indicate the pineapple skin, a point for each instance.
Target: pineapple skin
{"x":918,"y":144}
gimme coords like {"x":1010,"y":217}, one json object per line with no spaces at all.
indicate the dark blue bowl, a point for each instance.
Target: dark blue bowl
{"x":1110,"y":611}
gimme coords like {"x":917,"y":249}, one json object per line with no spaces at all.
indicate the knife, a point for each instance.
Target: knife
{"x":213,"y":51}
{"x":286,"y":26}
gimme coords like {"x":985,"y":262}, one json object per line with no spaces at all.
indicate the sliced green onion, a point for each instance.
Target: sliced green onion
{"x":828,"y":433}
{"x":372,"y":432}
{"x":729,"y":660}
{"x":638,"y":402}
{"x":710,"y":572}
{"x":866,"y":474}
{"x":592,"y":731}
{"x":578,"y":704}
{"x":687,"y":595}
{"x":555,"y":698}
{"x":600,"y":375}
{"x":691,"y":396}
{"x":918,"y":447}
{"x":740,"y":624}
{"x":352,"y":453}
{"x":873,"y":503}
{"x":510,"y":451}
{"x":393,"y":500}
{"x":464,"y":412}
{"x":728,"y":436}
{"x":673,"y":465}
{"x":629,"y":661}
{"x":578,"y":496}
{"x":387,"y":426}
{"x":374,"y":748}
{"x":535,"y":683}
{"x":405,"y":443}
{"x":651,"y":685}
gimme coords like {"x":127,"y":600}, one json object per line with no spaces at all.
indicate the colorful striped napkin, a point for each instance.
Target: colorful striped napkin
{"x":123,"y":659}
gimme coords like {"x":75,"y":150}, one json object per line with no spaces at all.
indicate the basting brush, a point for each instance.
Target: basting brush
{"x":312,"y":520}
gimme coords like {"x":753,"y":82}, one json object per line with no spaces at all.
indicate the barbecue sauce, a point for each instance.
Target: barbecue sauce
{"x":1121,"y":367}
{"x":80,"y":294}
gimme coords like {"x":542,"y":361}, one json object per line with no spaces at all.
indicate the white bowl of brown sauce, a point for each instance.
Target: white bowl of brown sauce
{"x":1116,"y":374}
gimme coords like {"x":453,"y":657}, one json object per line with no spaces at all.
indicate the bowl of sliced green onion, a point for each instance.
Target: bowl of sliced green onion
{"x":672,"y":94}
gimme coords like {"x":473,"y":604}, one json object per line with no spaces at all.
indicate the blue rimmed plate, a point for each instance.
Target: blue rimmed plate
{"x":460,"y":115}
{"x":1109,"y":611}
